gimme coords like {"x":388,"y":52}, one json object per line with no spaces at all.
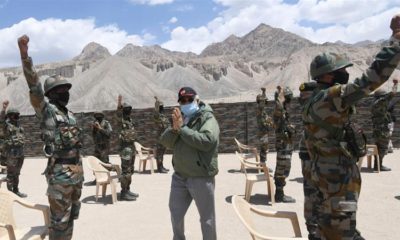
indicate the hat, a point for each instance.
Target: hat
{"x":186,"y":92}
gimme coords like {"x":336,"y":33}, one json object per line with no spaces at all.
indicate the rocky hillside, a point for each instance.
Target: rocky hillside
{"x":232,"y":70}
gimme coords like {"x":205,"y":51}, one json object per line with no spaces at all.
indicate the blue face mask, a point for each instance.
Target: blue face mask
{"x":189,"y":109}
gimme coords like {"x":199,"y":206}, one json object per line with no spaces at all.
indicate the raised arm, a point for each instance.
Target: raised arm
{"x":35,"y":88}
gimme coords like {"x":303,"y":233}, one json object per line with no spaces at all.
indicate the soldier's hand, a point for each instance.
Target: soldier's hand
{"x":177,"y":120}
{"x":395,"y":26}
{"x":119,"y":100}
{"x":5,"y":104}
{"x":96,"y":125}
{"x":395,"y":81}
{"x":23,"y":46}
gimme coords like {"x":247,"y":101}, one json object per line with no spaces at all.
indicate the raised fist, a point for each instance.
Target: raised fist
{"x":395,"y":26}
{"x":23,"y":45}
{"x":395,"y":81}
{"x":5,"y":104}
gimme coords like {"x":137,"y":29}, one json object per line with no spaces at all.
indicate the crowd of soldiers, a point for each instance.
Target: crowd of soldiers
{"x":330,"y":145}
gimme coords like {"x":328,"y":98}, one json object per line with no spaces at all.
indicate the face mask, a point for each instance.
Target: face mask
{"x":160,"y":109}
{"x":60,"y":98}
{"x":99,"y":119}
{"x":189,"y":109}
{"x":340,"y":77}
{"x":14,"y":118}
{"x":127,"y":111}
{"x":288,"y":99}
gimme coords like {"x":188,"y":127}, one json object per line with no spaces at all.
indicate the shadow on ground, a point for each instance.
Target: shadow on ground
{"x":234,"y":171}
{"x":298,"y":179}
{"x":102,"y":200}
{"x":257,"y":199}
{"x":397,"y":197}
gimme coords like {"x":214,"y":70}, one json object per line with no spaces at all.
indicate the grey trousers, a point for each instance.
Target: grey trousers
{"x":183,"y":191}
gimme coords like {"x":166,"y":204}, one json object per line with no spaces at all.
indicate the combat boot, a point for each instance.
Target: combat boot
{"x":163,"y":168}
{"x":126,"y":197}
{"x":160,"y":168}
{"x":136,"y":195}
{"x":382,"y":168}
{"x":281,"y":197}
{"x":19,"y":194}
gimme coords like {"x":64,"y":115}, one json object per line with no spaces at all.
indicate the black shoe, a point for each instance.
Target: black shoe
{"x":136,"y":195}
{"x":126,"y":197}
{"x":284,"y":198}
{"x":161,"y":170}
{"x":20,"y":194}
{"x":384,"y":169}
{"x":92,"y":183}
{"x":165,"y":169}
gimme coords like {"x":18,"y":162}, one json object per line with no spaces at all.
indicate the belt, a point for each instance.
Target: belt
{"x":70,"y":161}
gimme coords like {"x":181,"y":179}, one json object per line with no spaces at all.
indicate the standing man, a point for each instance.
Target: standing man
{"x":127,"y":138}
{"x":381,"y":120}
{"x":101,"y":133}
{"x":194,"y":138}
{"x":264,"y":123}
{"x":162,"y":123}
{"x":61,"y":136}
{"x":284,"y":132}
{"x":14,"y":140}
{"x":334,"y":154}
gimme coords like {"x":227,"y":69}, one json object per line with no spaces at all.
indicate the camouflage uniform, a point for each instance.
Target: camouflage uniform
{"x":162,"y":123}
{"x":101,"y":139}
{"x":64,"y":172}
{"x":380,"y":121}
{"x":127,"y":153}
{"x":284,"y":144}
{"x":2,"y":155}
{"x":310,"y":190}
{"x":14,"y":140}
{"x":334,"y":169}
{"x":264,"y":123}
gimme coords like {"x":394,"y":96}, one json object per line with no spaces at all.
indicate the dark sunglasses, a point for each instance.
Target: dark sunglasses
{"x":184,"y":101}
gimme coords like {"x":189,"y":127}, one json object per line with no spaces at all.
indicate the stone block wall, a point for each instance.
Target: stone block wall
{"x":235,"y":120}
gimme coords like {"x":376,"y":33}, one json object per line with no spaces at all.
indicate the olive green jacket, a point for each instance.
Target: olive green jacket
{"x":195,"y":146}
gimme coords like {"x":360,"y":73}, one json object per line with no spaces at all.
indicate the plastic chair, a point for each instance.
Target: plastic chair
{"x":8,"y":229}
{"x":252,"y":178}
{"x":145,"y":154}
{"x":103,"y":177}
{"x":245,"y":211}
{"x":247,"y":152}
{"x":372,"y":150}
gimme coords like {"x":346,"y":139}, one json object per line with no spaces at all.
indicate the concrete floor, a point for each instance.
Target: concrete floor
{"x":148,"y":217}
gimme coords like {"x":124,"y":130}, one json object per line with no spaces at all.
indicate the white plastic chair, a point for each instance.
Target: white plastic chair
{"x":8,"y":228}
{"x":103,"y":177}
{"x":244,"y":210}
{"x":145,"y":154}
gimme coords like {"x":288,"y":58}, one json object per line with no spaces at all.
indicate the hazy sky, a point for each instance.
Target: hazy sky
{"x":59,"y":29}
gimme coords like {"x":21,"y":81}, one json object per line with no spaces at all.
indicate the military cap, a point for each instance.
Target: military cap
{"x":326,"y":63}
{"x":55,"y":81}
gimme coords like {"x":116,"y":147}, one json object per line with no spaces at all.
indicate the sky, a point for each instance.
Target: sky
{"x":59,"y":29}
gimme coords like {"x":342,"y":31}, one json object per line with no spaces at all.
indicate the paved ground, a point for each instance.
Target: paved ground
{"x":148,"y":217}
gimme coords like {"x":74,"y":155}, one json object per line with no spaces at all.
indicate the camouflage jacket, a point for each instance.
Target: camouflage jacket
{"x":127,"y":136}
{"x":283,"y":128}
{"x":102,"y":136}
{"x":59,"y":129}
{"x":332,"y":105}
{"x":380,"y":114}
{"x":264,"y":122}
{"x":13,"y":134}
{"x":161,"y":121}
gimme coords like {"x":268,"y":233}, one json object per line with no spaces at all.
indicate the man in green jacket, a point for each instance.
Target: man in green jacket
{"x":194,"y":138}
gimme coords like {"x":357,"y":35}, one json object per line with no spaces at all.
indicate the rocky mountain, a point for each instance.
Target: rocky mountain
{"x":232,"y":70}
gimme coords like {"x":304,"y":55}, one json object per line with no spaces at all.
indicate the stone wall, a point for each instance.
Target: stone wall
{"x":235,"y":120}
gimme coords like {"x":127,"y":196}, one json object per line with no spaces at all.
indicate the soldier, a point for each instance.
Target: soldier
{"x":380,"y":121}
{"x":101,"y":133}
{"x":284,"y":132}
{"x":3,"y":159}
{"x":62,"y":141}
{"x":334,"y":145}
{"x":14,"y":140}
{"x":162,"y":123}
{"x":127,"y":138}
{"x":309,"y":189}
{"x":264,"y":123}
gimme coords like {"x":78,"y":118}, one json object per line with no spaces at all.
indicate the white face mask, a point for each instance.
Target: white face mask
{"x":189,"y":109}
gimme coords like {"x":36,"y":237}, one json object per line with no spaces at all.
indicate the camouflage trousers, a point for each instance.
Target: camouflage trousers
{"x":284,"y":149}
{"x":311,"y":196}
{"x":64,"y":209}
{"x":128,"y":156}
{"x":263,"y":147}
{"x":160,"y":151}
{"x":101,"y":151}
{"x":14,"y":165}
{"x":382,"y":143}
{"x":339,"y":183}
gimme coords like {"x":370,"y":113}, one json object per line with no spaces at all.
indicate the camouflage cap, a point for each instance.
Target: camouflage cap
{"x":12,"y":111}
{"x":287,"y":92}
{"x":55,"y":81}
{"x":125,"y":105}
{"x":326,"y":63}
{"x":98,"y":113}
{"x":380,"y":92}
